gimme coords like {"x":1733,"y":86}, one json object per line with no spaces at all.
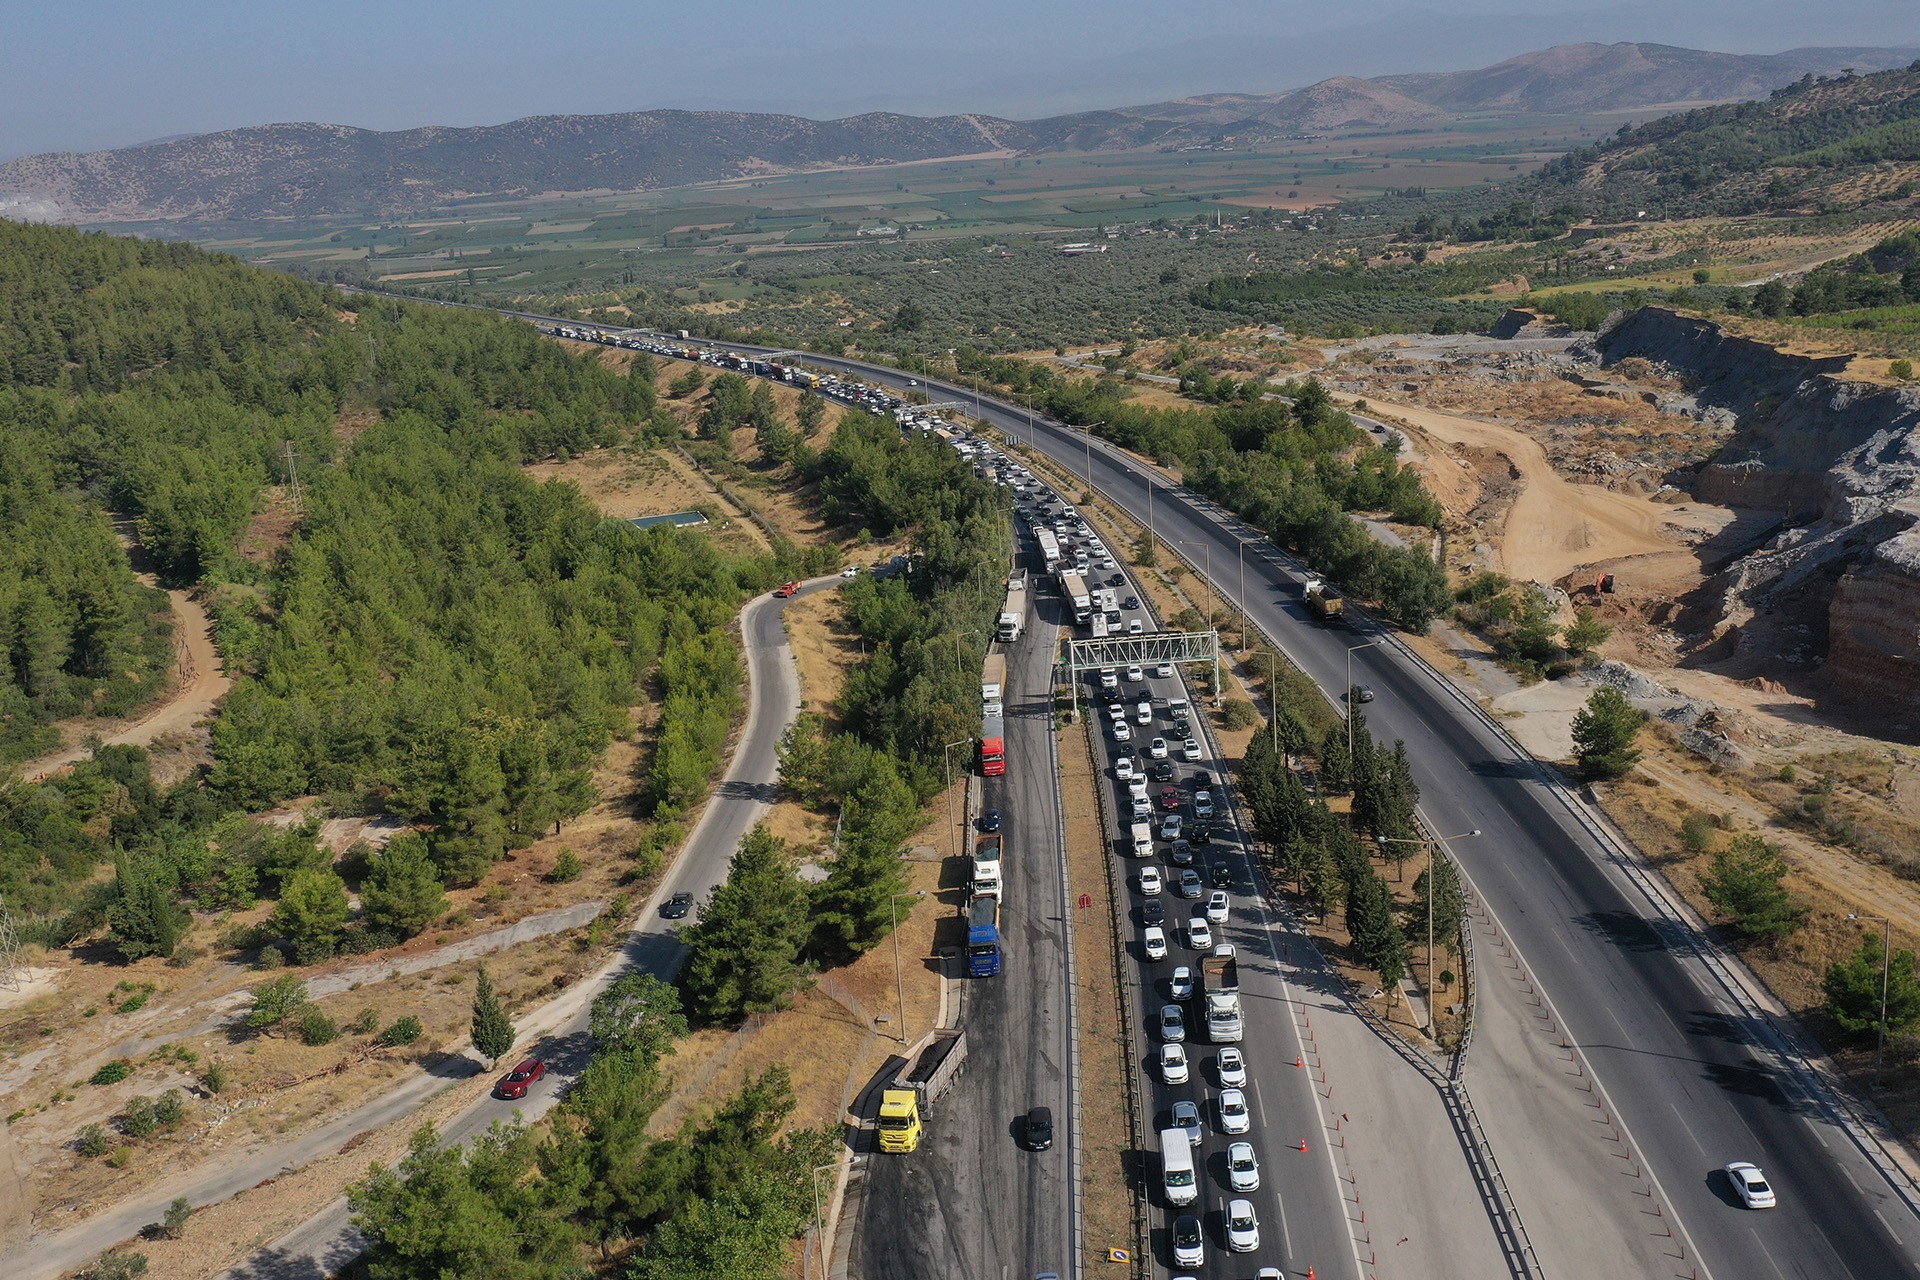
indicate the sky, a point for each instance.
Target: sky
{"x":109,"y":73}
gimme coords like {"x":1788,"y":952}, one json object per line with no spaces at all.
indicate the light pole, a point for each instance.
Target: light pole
{"x":1240,"y":559}
{"x":899,"y":978}
{"x":1439,"y":843}
{"x":1273,"y":701}
{"x":1087,"y":439}
{"x":1350,"y":652}
{"x":819,"y":1228}
{"x":1886,"y":956}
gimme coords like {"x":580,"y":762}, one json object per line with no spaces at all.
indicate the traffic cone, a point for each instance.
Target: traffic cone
{"x":1303,"y":1144}
{"x":1309,"y":1271}
{"x":1299,"y":1060}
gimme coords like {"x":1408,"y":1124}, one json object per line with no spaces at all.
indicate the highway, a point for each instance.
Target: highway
{"x":1302,"y":1212}
{"x":1693,"y":1077}
{"x":972,"y":1201}
{"x":557,"y":1032}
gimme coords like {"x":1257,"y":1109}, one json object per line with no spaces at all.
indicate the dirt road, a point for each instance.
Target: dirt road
{"x":199,"y":684}
{"x":1554,"y":526}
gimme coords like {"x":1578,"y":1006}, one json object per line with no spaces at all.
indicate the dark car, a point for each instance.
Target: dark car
{"x":1200,"y":833}
{"x":676,"y":907}
{"x":1039,"y":1129}
{"x":990,"y":821}
{"x":1181,"y":855}
{"x":1152,"y":911}
{"x":1360,"y":693}
{"x":1201,"y":780}
{"x":1163,"y":771}
{"x":1131,"y":602}
{"x":1221,"y":874}
{"x":514,"y":1083}
{"x":1116,"y":580}
{"x":1181,"y":729}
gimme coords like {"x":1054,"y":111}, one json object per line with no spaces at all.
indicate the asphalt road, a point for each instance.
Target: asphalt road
{"x":1695,"y":1082}
{"x":1302,"y":1213}
{"x":556,"y":1033}
{"x":972,"y":1201}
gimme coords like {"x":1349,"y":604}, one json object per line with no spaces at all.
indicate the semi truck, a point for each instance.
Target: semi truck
{"x":1142,"y":839}
{"x":983,"y":936}
{"x":1325,"y":602}
{"x":993,"y":743}
{"x":1013,"y":614}
{"x":1220,"y":984}
{"x":1079,"y":602}
{"x":915,"y":1089}
{"x":993,"y":679}
{"x":986,"y":866}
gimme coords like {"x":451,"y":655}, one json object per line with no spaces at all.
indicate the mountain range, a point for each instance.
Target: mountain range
{"x":323,"y":170}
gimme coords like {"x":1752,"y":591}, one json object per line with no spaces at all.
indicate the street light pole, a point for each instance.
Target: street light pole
{"x":1207,"y":547}
{"x":947,"y":753}
{"x":819,"y":1228}
{"x":1087,"y":439}
{"x":1439,"y":843}
{"x":1350,"y":652}
{"x":899,"y":976}
{"x":1886,"y":956}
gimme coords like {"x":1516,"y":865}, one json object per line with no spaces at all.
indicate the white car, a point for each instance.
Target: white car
{"x":1190,"y":750}
{"x":1143,"y":714}
{"x":1234,"y":1116}
{"x":1154,"y":942}
{"x":1135,"y":674}
{"x":1122,"y":732}
{"x":1157,"y":748}
{"x":1123,"y":768}
{"x":1116,"y":711}
{"x":1150,"y":882}
{"x":1173,"y":1023}
{"x":1188,"y":1247}
{"x":1243,"y":1167}
{"x":1136,"y":788}
{"x":1134,"y":627}
{"x":1217,"y":907}
{"x":1750,"y":1185}
{"x":851,"y":571}
{"x":1164,"y":670}
{"x":1173,"y":1064}
{"x":1180,"y":986}
{"x":1231,"y":1066}
{"x":1108,"y":563}
{"x":1199,"y":937}
{"x":1243,"y":1228}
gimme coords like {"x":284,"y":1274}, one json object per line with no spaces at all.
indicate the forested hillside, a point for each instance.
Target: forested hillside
{"x":440,"y":637}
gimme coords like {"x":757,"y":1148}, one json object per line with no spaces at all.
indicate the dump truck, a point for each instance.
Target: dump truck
{"x":1325,"y":602}
{"x":993,"y":680}
{"x":1220,"y":985}
{"x":1013,"y":614}
{"x":915,"y":1089}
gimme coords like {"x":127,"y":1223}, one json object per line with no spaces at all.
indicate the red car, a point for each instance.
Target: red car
{"x":787,"y":590}
{"x":1169,"y":798}
{"x":514,"y":1083}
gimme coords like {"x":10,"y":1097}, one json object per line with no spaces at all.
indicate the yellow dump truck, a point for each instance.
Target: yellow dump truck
{"x":916,"y":1087}
{"x":1323,"y":600}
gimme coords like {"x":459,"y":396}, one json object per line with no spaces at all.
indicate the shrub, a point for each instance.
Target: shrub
{"x":214,"y":1078}
{"x":169,"y":1109}
{"x":566,"y":868}
{"x":119,"y":1160}
{"x":1787,"y":773}
{"x":92,"y":1141}
{"x":113,"y":1072}
{"x":179,"y":1213}
{"x":403,"y":1031}
{"x":118,"y":1264}
{"x":366,"y":1022}
{"x":1239,"y":714}
{"x":1901,"y":370}
{"x":316,"y":1028}
{"x":1696,"y":832}
{"x":276,"y":1001}
{"x":138,"y":1119}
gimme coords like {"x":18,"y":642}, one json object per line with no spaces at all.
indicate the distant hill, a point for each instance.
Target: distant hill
{"x":1814,"y":145}
{"x":322,"y":170}
{"x":1573,"y":78}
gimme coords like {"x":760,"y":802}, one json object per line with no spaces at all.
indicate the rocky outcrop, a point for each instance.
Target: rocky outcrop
{"x":1874,"y":645}
{"x":1840,"y":458}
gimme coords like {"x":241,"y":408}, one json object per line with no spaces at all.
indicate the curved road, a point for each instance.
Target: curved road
{"x":556,"y":1031}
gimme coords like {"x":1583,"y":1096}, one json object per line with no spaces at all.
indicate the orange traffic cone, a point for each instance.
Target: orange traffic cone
{"x":1303,"y":1144}
{"x":1299,"y":1060}
{"x":1309,"y":1271}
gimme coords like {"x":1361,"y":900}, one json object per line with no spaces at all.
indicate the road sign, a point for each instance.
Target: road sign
{"x":1119,"y":1255}
{"x":1086,"y":900}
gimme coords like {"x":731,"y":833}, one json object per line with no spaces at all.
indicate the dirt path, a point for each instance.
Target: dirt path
{"x":1554,"y":526}
{"x":199,"y":683}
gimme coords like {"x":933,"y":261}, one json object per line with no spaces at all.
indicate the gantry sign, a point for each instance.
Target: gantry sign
{"x":1149,"y":649}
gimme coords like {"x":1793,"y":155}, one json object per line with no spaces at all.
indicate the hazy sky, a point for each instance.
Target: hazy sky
{"x":114,"y":72}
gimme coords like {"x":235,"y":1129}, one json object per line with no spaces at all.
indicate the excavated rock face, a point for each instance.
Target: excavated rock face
{"x":1874,"y":650}
{"x":1840,"y":459}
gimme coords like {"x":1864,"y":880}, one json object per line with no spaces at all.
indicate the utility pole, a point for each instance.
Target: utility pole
{"x":1886,"y":958}
{"x":293,"y":480}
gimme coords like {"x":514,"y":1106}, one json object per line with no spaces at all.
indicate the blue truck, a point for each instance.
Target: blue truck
{"x":983,"y":936}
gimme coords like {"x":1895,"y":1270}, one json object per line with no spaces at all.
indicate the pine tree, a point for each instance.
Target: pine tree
{"x":1853,"y":989}
{"x":1603,"y":734}
{"x":1448,"y":898}
{"x":146,"y":917}
{"x":1370,"y":923}
{"x":744,"y":952}
{"x":402,"y":892}
{"x":1336,"y":763}
{"x":1745,"y":883}
{"x":312,"y":914}
{"x":492,"y":1029}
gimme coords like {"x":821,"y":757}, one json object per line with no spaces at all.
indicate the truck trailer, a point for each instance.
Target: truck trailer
{"x":1013,"y":614}
{"x":983,"y":936}
{"x":1079,"y":602}
{"x":916,"y":1088}
{"x":1220,"y":986}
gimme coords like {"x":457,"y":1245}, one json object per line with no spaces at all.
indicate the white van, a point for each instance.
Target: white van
{"x":1177,"y":1177}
